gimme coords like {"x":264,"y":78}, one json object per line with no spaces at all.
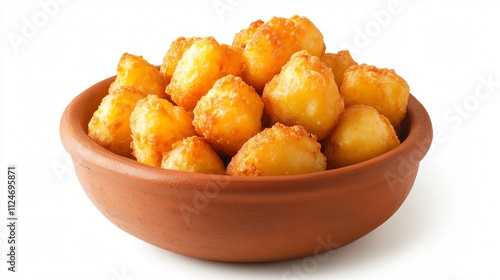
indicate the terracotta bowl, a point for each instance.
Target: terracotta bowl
{"x":243,"y":219}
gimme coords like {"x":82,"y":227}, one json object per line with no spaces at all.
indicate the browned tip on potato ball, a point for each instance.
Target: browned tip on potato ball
{"x":193,"y":154}
{"x":203,"y":63}
{"x":155,"y":125}
{"x":110,"y":123}
{"x":136,"y":72}
{"x":361,"y":134}
{"x":304,"y":93}
{"x":380,"y":88}
{"x":279,"y":150}
{"x":228,"y":115}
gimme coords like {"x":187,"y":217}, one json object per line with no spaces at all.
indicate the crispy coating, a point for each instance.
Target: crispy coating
{"x":361,"y":134}
{"x":304,"y":93}
{"x":193,"y":154}
{"x":242,"y":38}
{"x":268,"y":46}
{"x":338,"y":62}
{"x":228,"y":115}
{"x":155,"y":125}
{"x":279,"y":150}
{"x":232,"y":61}
{"x":136,"y":72}
{"x":203,"y":63}
{"x":110,"y":123}
{"x":173,"y":55}
{"x":309,"y":36}
{"x":380,"y":88}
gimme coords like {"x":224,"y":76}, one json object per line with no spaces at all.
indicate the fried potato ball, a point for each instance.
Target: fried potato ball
{"x":338,"y":62}
{"x":136,"y":72}
{"x":309,"y":36}
{"x":279,"y":150}
{"x":110,"y":123}
{"x":173,"y":55}
{"x":203,"y":63}
{"x":193,"y":154}
{"x":304,"y":93}
{"x":361,"y":134}
{"x":155,"y":125}
{"x":380,"y":88}
{"x":228,"y":115}
{"x":269,"y":47}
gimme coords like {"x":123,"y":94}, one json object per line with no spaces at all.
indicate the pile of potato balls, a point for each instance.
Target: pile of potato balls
{"x":272,"y":103}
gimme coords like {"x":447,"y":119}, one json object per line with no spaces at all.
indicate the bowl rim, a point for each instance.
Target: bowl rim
{"x":82,"y":148}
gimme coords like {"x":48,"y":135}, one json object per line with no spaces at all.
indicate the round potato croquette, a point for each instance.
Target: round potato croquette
{"x":279,"y":150}
{"x":110,"y":123}
{"x":155,"y":125}
{"x":270,"y":47}
{"x":309,"y":36}
{"x":193,"y":154}
{"x":203,"y":63}
{"x":338,"y":62}
{"x":267,"y":46}
{"x":361,"y":134}
{"x":173,"y":55}
{"x":228,"y":115}
{"x":136,"y":72}
{"x":304,"y":93}
{"x":382,"y":89}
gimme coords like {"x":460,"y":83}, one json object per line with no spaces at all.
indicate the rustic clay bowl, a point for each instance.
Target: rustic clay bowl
{"x":243,"y":219}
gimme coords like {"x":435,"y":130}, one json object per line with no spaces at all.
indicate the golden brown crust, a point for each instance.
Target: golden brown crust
{"x":173,"y":55}
{"x":338,"y":62}
{"x":268,"y":46}
{"x":155,"y":125}
{"x":136,"y":72}
{"x":110,"y":123}
{"x":232,"y":61}
{"x":279,"y":150}
{"x":304,"y":93}
{"x":193,"y":154}
{"x":241,"y":38}
{"x":380,"y":88}
{"x":361,"y":134}
{"x":228,"y":115}
{"x":203,"y":63}
{"x":309,"y":36}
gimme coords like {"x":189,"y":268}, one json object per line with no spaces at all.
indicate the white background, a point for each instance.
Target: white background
{"x":448,"y":52}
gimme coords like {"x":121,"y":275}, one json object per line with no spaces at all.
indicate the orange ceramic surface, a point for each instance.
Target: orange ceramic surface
{"x":243,"y":219}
